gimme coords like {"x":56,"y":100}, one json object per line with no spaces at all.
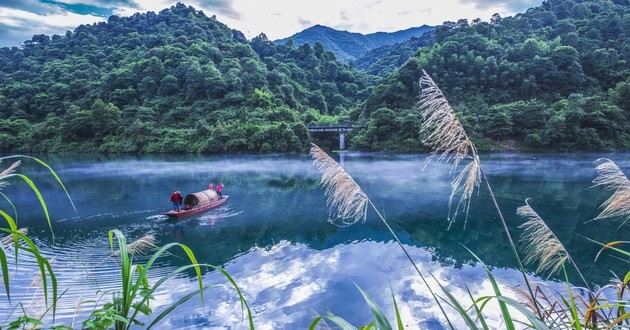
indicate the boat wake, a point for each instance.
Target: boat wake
{"x":215,"y":215}
{"x":108,"y":215}
{"x":157,"y":217}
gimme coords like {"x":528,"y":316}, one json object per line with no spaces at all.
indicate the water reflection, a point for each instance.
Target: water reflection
{"x":276,"y":241}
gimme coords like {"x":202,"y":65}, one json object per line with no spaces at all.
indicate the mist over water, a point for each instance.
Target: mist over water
{"x":274,"y":237}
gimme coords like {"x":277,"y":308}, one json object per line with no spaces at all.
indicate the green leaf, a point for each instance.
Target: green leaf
{"x":399,"y":321}
{"x":536,"y":323}
{"x":33,"y":187}
{"x":15,"y":213}
{"x":315,"y":322}
{"x":380,"y":319}
{"x":480,"y":316}
{"x":340,"y":322}
{"x":170,"y":308}
{"x":571,"y":304}
{"x":509,"y":324}
{"x":4,"y":266}
{"x":54,"y":174}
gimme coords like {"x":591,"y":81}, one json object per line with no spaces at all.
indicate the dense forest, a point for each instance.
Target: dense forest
{"x":177,"y":81}
{"x":556,"y":77}
{"x":386,"y":59}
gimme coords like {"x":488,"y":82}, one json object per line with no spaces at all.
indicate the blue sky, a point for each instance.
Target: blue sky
{"x":20,"y":19}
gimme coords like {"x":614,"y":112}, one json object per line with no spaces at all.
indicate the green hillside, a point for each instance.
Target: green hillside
{"x":386,"y":59}
{"x":556,"y":77}
{"x":177,"y":81}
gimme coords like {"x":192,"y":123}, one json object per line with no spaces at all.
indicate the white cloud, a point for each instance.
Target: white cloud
{"x":51,"y":21}
{"x":276,"y":18}
{"x":18,"y":25}
{"x":262,"y":16}
{"x":282,"y":18}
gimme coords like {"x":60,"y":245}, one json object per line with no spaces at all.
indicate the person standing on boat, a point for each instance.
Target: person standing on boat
{"x":210,"y":186}
{"x":176,"y":199}
{"x":220,"y":190}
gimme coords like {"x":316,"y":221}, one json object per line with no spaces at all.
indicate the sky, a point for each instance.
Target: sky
{"x":21,"y":19}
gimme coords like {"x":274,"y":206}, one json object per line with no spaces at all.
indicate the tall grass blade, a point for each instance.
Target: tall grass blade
{"x":339,"y":321}
{"x":15,"y":213}
{"x":509,"y":324}
{"x":573,"y":309}
{"x":54,"y":174}
{"x":315,"y":322}
{"x":380,"y":320}
{"x":535,"y":321}
{"x":611,"y":246}
{"x":172,"y":307}
{"x":480,"y":316}
{"x":399,"y":321}
{"x":453,"y":302}
{"x":4,"y":267}
{"x":33,"y":187}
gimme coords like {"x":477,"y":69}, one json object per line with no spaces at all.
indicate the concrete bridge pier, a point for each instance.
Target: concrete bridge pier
{"x":342,"y":140}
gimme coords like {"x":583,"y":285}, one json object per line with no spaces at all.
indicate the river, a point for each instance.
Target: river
{"x":273,"y":235}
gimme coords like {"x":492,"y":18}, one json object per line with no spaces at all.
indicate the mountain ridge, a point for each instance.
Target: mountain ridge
{"x":350,"y":46}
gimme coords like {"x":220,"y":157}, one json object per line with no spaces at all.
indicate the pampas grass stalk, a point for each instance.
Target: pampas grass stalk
{"x":444,"y":133}
{"x":542,"y":246}
{"x":7,"y":240}
{"x":610,"y":176}
{"x":139,"y":246}
{"x":346,"y":200}
{"x":8,"y":171}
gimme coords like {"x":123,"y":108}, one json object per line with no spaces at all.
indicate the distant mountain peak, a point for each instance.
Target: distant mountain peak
{"x":349,"y":46}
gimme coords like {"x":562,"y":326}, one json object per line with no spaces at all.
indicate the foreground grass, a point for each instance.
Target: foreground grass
{"x":581,"y":307}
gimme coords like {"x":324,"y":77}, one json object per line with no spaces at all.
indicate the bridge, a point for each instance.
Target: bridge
{"x":341,"y":128}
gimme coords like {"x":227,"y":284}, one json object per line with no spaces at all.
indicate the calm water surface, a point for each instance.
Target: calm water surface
{"x":274,"y":238}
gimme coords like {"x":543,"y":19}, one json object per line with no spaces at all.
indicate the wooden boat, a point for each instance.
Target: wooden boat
{"x":197,"y":203}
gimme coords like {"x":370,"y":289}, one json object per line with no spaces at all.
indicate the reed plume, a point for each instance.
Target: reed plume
{"x":610,"y":176}
{"x":444,"y":133}
{"x":8,"y":171}
{"x":540,"y":244}
{"x":348,"y":202}
{"x":345,"y":199}
{"x":9,"y":238}
{"x":140,"y":246}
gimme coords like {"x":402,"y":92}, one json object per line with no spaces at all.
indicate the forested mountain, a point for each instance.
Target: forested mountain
{"x":177,"y":81}
{"x":386,"y":59}
{"x":349,"y":46}
{"x":554,"y":77}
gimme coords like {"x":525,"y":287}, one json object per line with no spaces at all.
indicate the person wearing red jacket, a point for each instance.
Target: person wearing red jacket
{"x":176,"y":199}
{"x":220,"y":190}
